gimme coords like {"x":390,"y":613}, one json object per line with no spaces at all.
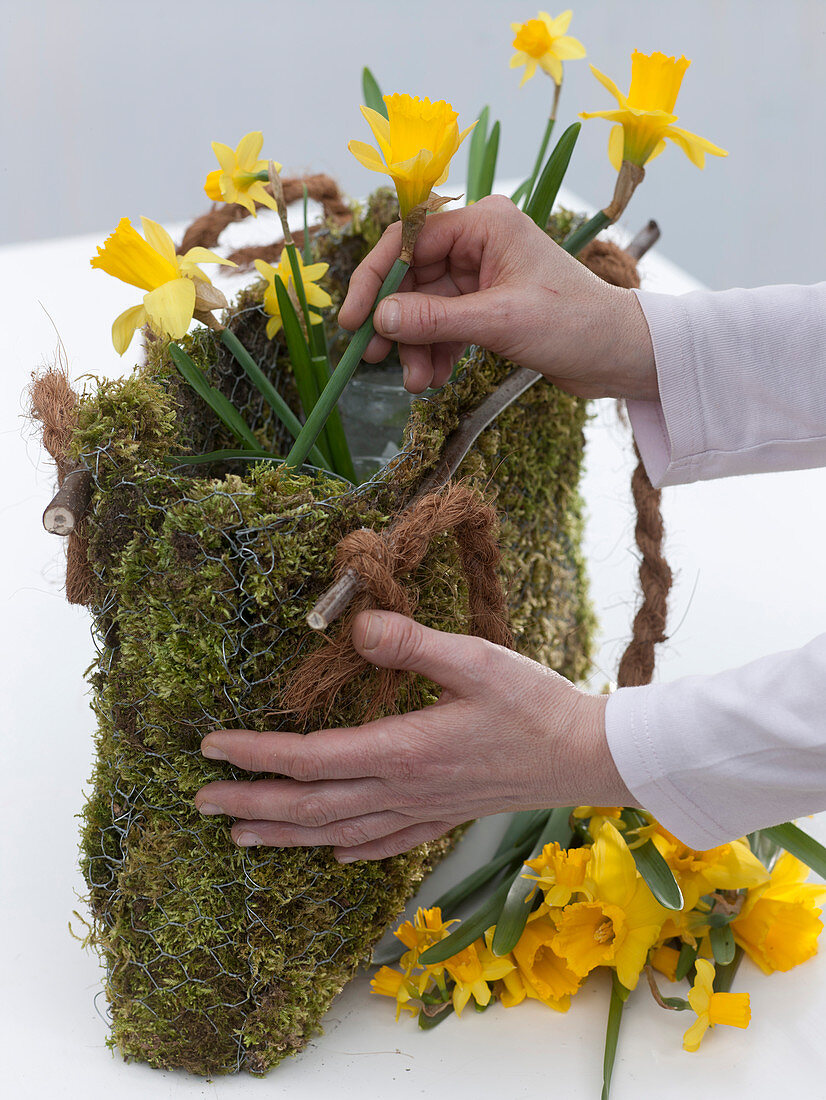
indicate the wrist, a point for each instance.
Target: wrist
{"x":633,"y":350}
{"x":598,"y":781}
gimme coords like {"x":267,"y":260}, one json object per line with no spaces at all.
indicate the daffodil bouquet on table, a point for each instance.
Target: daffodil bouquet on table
{"x":223,"y":481}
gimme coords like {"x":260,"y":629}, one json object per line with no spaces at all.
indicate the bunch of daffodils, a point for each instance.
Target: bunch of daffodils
{"x":588,"y":907}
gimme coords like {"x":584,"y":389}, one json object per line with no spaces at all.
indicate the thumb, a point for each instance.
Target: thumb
{"x":477,"y":318}
{"x":388,"y":640}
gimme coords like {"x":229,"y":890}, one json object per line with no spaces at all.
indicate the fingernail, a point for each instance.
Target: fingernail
{"x":389,"y":316}
{"x":248,"y":840}
{"x":209,"y":808}
{"x":347,"y":859}
{"x":211,"y":752}
{"x":373,"y":631}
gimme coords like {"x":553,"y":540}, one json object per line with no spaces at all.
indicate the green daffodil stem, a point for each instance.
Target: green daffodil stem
{"x":619,"y":995}
{"x":546,"y":137}
{"x":343,"y":372}
{"x":586,"y":233}
{"x":629,"y":178}
{"x":270,"y":394}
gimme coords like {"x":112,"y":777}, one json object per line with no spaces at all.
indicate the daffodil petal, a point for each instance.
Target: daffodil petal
{"x":224,"y":155}
{"x":608,"y":83}
{"x":249,"y":148}
{"x":553,"y":67}
{"x":616,"y":146}
{"x":169,"y":308}
{"x":159,"y":239}
{"x":569,"y":49}
{"x":124,"y":326}
{"x":265,"y":269}
{"x":694,"y":146}
{"x":694,"y":1035}
{"x":313,"y":272}
{"x":199,"y":255}
{"x":381,"y":129}
{"x":558,"y":25}
{"x":530,"y":69}
{"x":258,"y":193}
{"x":367,"y":156}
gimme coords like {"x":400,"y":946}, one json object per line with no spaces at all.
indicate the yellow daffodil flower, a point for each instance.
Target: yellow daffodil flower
{"x":309,"y":276}
{"x":390,"y":983}
{"x":237,"y":178}
{"x":541,"y":974}
{"x":730,"y":866}
{"x":543,"y":42}
{"x":779,"y":925}
{"x":471,"y":970}
{"x":596,"y":815}
{"x":665,"y":960}
{"x":622,"y":922}
{"x":170,"y":281}
{"x":559,"y":872}
{"x":645,"y":116}
{"x":426,"y":929}
{"x":416,"y":143}
{"x":713,"y":1008}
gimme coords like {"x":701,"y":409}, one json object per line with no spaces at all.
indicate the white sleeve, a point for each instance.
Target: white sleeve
{"x":742,"y":378}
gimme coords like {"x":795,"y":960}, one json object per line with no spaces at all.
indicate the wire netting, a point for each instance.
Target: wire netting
{"x":220,"y":959}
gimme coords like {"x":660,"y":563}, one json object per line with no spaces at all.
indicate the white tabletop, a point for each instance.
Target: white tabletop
{"x":748,"y":554}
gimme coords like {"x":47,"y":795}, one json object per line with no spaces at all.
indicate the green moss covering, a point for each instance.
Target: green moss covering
{"x":221,"y":959}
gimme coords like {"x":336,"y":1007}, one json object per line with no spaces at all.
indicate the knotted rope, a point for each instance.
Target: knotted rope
{"x":637,"y":664}
{"x":53,"y":402}
{"x":382,"y":560}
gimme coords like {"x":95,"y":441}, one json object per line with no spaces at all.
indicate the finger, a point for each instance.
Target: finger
{"x":395,"y":843}
{"x":377,"y":350}
{"x":350,"y":833}
{"x":444,"y":358}
{"x":417,"y":367}
{"x":306,"y":804}
{"x":328,"y":754}
{"x":366,"y":280}
{"x":485,"y":318}
{"x":455,"y":661}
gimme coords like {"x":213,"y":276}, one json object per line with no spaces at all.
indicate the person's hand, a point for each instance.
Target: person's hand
{"x":506,"y":734}
{"x":488,"y":275}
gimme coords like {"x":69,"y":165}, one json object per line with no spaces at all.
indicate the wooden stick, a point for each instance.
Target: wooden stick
{"x":339,"y":595}
{"x":645,"y":239}
{"x":70,"y":502}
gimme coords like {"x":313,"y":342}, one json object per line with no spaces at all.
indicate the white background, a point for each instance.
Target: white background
{"x":108,"y":108}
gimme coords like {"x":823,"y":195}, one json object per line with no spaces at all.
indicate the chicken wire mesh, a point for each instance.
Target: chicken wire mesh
{"x":220,"y":959}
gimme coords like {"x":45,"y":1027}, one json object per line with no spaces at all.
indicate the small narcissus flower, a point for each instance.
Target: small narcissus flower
{"x":560,"y":872}
{"x":391,"y":983}
{"x":730,"y":866}
{"x":779,"y":924}
{"x":176,"y":288}
{"x":237,"y":178}
{"x":309,"y":277}
{"x":415,"y":145}
{"x":712,"y":1008}
{"x":645,"y":117}
{"x":543,"y":42}
{"x":471,"y":970}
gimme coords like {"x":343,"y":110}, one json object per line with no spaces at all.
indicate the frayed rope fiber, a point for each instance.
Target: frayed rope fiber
{"x":381,"y":560}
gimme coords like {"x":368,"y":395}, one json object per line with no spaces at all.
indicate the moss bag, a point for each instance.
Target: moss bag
{"x":220,"y":959}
